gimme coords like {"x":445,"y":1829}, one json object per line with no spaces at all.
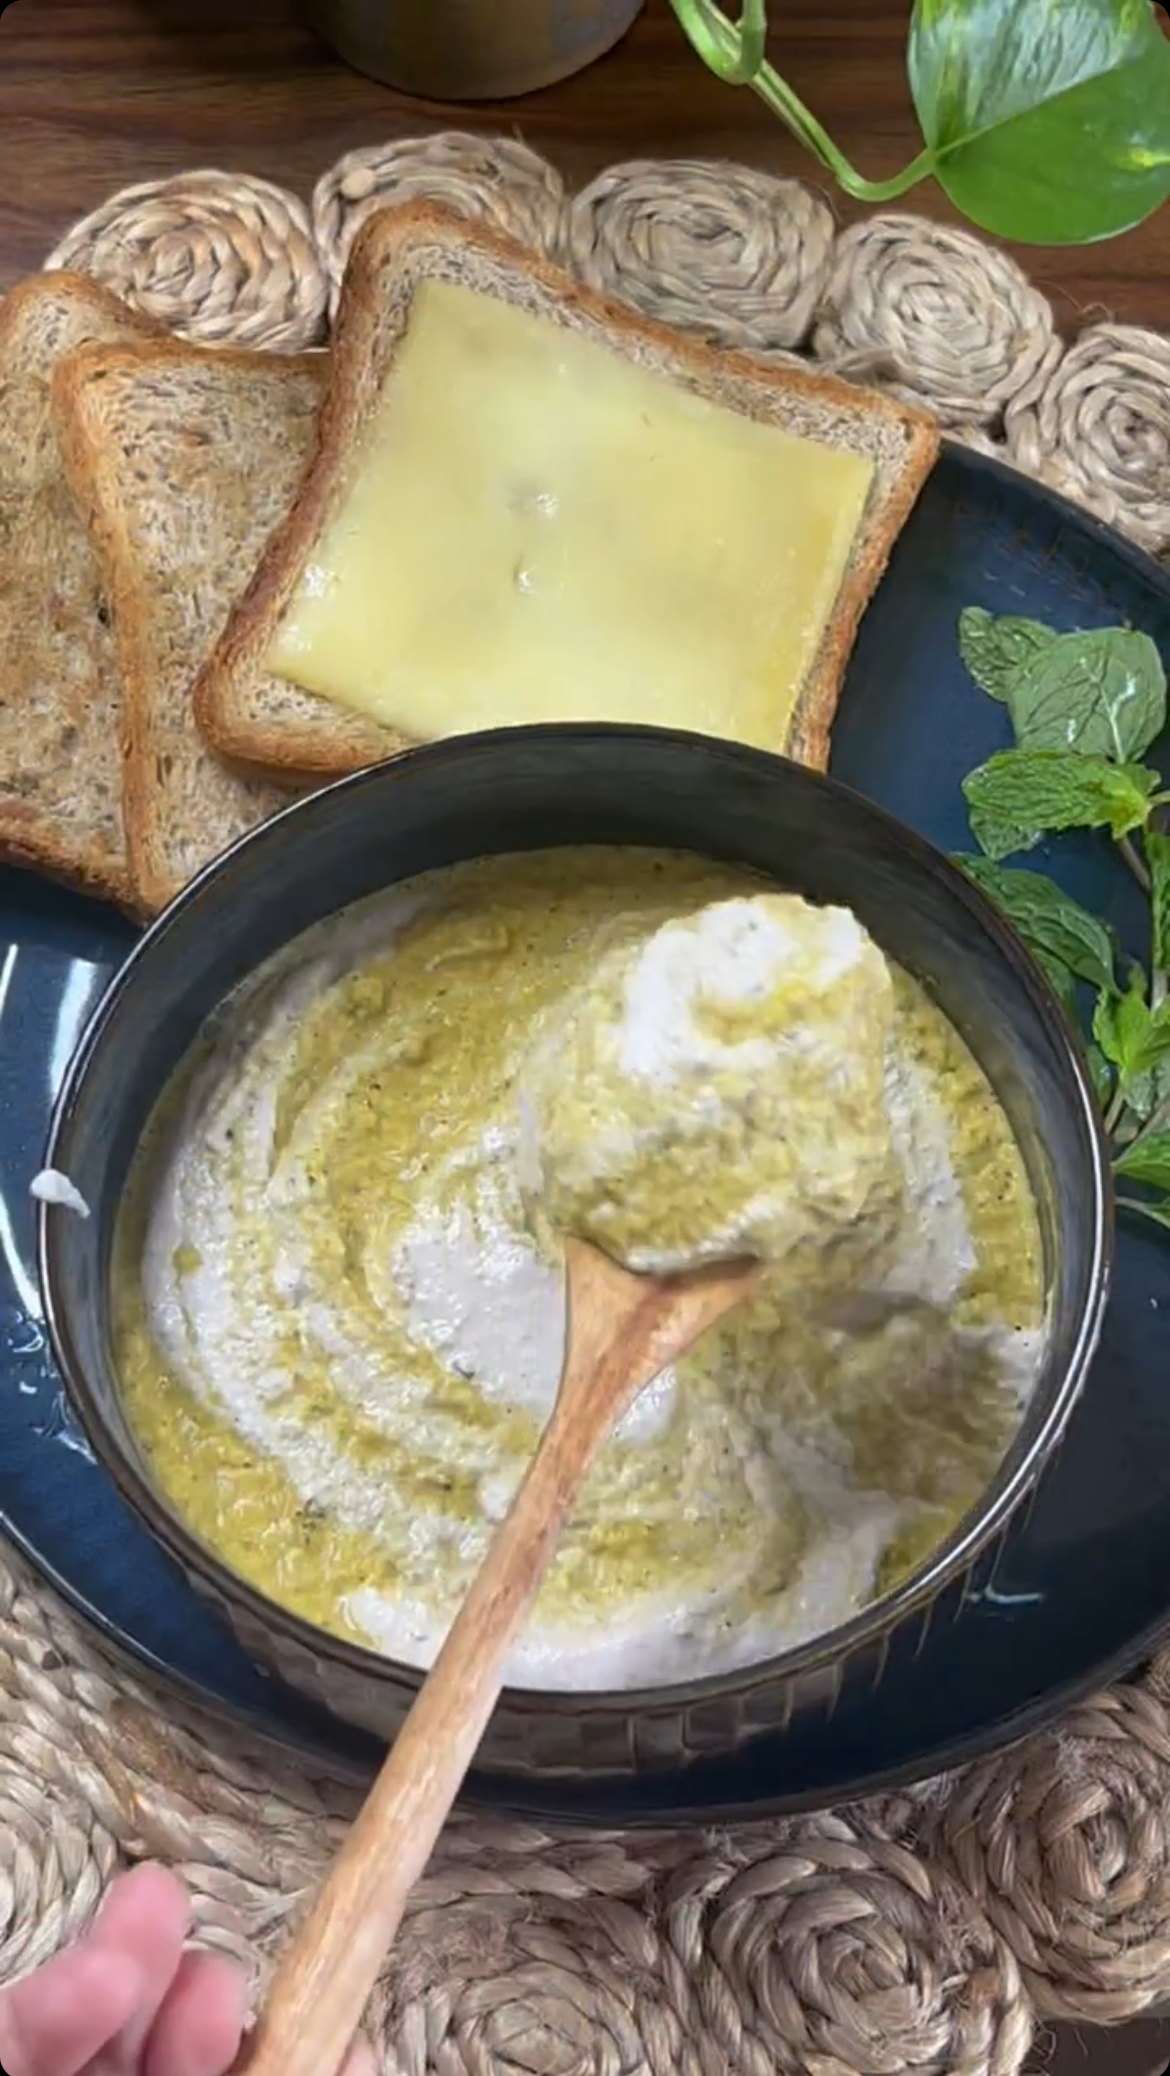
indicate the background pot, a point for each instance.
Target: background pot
{"x":470,"y":50}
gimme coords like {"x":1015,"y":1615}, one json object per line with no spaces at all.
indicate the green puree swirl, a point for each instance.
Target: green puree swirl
{"x":383,"y":1091}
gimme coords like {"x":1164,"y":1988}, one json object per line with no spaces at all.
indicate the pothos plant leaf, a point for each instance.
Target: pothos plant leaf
{"x":1047,"y":121}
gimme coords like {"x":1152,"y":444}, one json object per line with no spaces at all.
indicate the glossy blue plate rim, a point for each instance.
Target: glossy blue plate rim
{"x":1066,"y":1609}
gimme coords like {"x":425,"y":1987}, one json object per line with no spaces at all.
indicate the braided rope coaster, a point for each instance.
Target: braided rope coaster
{"x":222,"y":258}
{"x":946,"y":320}
{"x":925,"y":1933}
{"x":737,"y":256}
{"x":1099,"y":429}
{"x":495,"y":180}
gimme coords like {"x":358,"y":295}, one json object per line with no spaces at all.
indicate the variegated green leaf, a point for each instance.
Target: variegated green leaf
{"x":1048,"y":120}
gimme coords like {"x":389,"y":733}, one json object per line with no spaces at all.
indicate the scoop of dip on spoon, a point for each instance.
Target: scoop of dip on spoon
{"x":715,"y":1099}
{"x":718,"y":1089}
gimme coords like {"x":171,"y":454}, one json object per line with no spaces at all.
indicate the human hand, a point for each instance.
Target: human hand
{"x":127,"y":2001}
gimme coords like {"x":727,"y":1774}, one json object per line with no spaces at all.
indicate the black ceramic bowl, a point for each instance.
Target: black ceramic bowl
{"x":530,"y":789}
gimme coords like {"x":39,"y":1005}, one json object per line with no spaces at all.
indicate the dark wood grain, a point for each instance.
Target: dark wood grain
{"x":97,"y":93}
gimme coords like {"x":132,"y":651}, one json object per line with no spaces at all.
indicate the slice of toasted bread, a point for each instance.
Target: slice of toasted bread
{"x":290,"y":730}
{"x":183,"y":459}
{"x":60,"y":691}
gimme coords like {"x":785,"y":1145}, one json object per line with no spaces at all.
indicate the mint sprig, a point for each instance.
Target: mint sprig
{"x":1023,"y":794}
{"x":1103,"y":692}
{"x":1084,"y":709}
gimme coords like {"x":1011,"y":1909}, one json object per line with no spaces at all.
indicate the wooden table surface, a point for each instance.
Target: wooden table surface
{"x":97,"y":93}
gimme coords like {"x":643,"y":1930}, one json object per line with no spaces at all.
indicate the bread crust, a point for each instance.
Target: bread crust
{"x":101,"y":455}
{"x":32,"y":835}
{"x":397,"y":248}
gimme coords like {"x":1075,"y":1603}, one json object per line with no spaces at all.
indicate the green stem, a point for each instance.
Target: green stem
{"x":1135,"y":861}
{"x":1155,"y":1212}
{"x":734,"y":56}
{"x":1113,"y":1114}
{"x":735,"y":53}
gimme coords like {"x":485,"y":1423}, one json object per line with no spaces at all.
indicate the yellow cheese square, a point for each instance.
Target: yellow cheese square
{"x":536,"y":529}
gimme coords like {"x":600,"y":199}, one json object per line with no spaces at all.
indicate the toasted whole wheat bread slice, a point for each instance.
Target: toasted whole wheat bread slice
{"x":183,"y":459}
{"x":60,"y":690}
{"x":286,"y":729}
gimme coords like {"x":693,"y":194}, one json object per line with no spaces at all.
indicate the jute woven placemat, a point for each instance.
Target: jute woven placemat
{"x":925,"y":1932}
{"x":743,"y":258}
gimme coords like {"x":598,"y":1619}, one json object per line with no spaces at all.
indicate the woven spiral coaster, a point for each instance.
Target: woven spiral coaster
{"x":494,"y":180}
{"x":224,"y":259}
{"x":926,"y":1933}
{"x":737,"y":256}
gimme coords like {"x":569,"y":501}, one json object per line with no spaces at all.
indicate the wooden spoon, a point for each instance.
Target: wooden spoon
{"x":622,"y":1331}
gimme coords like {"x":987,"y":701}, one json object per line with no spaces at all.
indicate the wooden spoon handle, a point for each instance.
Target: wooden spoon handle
{"x":315,"y":2004}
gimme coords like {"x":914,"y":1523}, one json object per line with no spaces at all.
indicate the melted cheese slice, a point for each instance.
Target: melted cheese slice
{"x":535,"y":529}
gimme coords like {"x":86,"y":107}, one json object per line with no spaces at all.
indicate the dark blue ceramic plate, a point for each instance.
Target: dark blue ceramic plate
{"x":1084,"y":1584}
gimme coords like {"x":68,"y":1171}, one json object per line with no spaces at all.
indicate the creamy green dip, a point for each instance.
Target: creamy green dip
{"x":338,"y":1337}
{"x":721,"y":1088}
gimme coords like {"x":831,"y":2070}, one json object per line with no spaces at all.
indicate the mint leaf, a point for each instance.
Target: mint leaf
{"x":1121,"y":1026}
{"x":1060,"y":980}
{"x":1056,"y":929}
{"x":995,"y":650}
{"x":1148,"y":1161}
{"x":1149,"y":1087}
{"x":1102,"y":1074}
{"x":1136,"y":1040}
{"x":1157,"y":850}
{"x":1103,"y":693}
{"x":1156,"y":1047}
{"x":1021,"y":795}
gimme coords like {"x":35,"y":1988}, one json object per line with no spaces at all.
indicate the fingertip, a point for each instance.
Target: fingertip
{"x":61,"y":2017}
{"x":146,"y":1895}
{"x":198,"y":2030}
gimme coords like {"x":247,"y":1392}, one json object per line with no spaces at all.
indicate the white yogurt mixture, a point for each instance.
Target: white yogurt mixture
{"x":720,"y":1089}
{"x":341,"y":1328}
